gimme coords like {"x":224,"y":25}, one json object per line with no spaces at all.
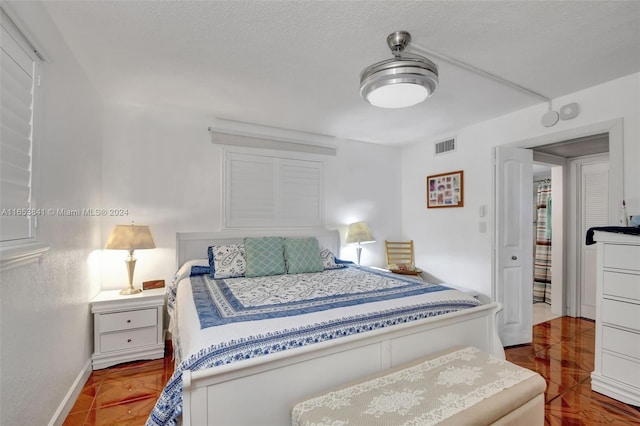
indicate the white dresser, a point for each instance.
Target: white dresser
{"x":127,"y":328}
{"x":617,"y":356}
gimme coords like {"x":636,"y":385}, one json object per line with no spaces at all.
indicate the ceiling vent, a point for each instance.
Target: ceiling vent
{"x":445,"y":146}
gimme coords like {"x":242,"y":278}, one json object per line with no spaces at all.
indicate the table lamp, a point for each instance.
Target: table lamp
{"x":359,"y":232}
{"x":130,"y":237}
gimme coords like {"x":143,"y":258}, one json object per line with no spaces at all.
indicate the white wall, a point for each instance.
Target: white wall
{"x":46,"y":327}
{"x":448,"y":242}
{"x":362,"y":184}
{"x":160,"y":164}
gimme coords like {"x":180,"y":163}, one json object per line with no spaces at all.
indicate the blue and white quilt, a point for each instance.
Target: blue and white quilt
{"x":223,"y":321}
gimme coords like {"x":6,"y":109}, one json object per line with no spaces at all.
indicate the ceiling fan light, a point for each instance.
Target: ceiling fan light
{"x":401,"y":82}
{"x":398,"y":95}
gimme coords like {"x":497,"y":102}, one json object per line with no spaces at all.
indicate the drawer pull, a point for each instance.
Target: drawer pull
{"x":128,"y":340}
{"x":128,"y":321}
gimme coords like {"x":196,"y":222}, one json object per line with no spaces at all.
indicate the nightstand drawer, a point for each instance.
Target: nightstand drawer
{"x":128,"y":339}
{"x":128,"y":320}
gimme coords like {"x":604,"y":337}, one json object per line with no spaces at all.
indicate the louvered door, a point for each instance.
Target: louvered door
{"x":594,"y":203}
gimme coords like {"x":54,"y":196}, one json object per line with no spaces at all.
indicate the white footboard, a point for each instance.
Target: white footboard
{"x":263,"y":391}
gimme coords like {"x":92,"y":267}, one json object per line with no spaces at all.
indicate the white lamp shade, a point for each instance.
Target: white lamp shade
{"x":359,"y":232}
{"x":130,"y":237}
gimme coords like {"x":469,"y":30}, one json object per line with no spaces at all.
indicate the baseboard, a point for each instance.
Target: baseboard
{"x":72,"y":395}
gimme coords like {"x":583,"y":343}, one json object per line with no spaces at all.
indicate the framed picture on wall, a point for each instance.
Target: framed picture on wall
{"x":445,"y":190}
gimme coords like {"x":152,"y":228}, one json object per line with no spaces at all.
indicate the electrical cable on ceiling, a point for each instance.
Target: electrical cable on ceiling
{"x":407,"y":70}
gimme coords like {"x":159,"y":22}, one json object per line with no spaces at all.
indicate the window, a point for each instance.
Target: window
{"x":20,"y":80}
{"x":270,"y":190}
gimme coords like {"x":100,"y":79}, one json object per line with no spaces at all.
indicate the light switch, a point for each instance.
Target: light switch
{"x":481,"y":211}
{"x":482,"y":227}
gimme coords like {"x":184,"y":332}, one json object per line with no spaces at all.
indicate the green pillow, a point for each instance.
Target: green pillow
{"x":302,"y":255}
{"x":265,"y":256}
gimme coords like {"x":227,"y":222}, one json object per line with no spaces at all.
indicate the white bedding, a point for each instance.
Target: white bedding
{"x":328,"y":314}
{"x":191,"y":338}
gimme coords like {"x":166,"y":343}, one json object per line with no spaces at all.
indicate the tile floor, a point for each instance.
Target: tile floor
{"x":562,"y":352}
{"x":542,"y":313}
{"x":122,"y":395}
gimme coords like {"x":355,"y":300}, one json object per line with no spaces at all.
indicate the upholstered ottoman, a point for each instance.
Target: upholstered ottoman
{"x":464,"y":386}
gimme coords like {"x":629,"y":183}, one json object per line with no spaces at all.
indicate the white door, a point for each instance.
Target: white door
{"x":594,"y":203}
{"x":513,"y":275}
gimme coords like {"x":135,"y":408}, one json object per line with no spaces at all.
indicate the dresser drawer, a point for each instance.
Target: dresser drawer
{"x":623,"y":314}
{"x":128,"y":339}
{"x":622,"y":256}
{"x":621,"y":369}
{"x":621,"y":341}
{"x":621,"y":285}
{"x":128,"y":320}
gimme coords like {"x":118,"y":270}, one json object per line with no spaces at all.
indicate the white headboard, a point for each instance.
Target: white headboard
{"x":193,"y":245}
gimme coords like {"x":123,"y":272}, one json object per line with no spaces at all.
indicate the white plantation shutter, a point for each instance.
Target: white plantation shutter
{"x":19,"y":77}
{"x":251,"y":189}
{"x":270,"y":191}
{"x":300,"y":183}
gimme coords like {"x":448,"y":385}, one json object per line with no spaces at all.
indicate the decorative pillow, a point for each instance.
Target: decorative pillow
{"x":302,"y":255}
{"x":328,"y":259}
{"x":227,"y":261}
{"x":264,"y":256}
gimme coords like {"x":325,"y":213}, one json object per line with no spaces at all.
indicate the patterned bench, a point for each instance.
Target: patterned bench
{"x":463,"y":386}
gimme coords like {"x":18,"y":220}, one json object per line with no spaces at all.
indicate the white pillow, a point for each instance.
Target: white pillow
{"x":328,"y":259}
{"x":229,"y":261}
{"x":185,"y":269}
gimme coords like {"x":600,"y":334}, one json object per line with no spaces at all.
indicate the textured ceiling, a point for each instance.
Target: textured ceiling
{"x":296,"y":65}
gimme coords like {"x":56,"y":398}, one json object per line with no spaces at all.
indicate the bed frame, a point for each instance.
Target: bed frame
{"x":262,"y":391}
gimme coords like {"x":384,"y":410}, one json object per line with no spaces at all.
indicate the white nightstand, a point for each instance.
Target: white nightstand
{"x":127,"y":328}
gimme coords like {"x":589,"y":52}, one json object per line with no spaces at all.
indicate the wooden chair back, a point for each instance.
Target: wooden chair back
{"x":399,"y":252}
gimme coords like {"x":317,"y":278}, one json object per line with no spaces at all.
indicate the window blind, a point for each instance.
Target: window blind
{"x":272,"y":191}
{"x":17,"y":94}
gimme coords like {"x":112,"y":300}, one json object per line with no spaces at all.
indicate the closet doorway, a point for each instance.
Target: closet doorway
{"x":558,"y":147}
{"x":572,"y":176}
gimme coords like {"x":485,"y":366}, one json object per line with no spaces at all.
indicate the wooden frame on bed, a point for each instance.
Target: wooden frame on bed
{"x":262,"y":391}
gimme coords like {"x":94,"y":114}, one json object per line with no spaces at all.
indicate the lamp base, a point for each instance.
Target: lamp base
{"x":131,"y":265}
{"x":358,"y":252}
{"x":130,"y":290}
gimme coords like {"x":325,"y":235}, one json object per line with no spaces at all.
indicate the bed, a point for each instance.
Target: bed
{"x":269,"y":341}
